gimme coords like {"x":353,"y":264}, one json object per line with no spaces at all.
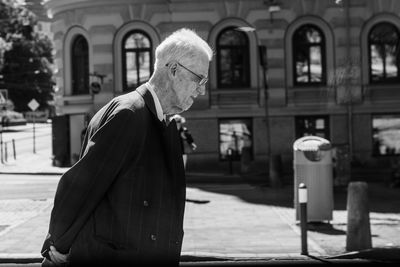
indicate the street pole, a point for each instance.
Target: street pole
{"x":13,"y":144}
{"x":263,"y":59}
{"x":1,"y":143}
{"x":303,"y":217}
{"x":272,"y":171}
{"x":348,"y":88}
{"x":34,"y":143}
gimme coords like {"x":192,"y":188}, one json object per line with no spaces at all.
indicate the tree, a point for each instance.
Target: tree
{"x":25,"y":57}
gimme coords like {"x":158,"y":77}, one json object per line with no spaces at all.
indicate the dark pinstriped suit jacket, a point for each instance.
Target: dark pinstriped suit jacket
{"x":124,"y":200}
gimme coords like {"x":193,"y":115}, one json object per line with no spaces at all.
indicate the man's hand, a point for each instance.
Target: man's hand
{"x":193,"y":146}
{"x":56,"y":257}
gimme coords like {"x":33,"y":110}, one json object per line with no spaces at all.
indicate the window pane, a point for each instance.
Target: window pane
{"x":301,"y":61}
{"x":239,"y":74}
{"x":320,"y":124}
{"x":232,"y":70}
{"x":312,"y":125}
{"x":313,"y":36}
{"x":308,"y":44}
{"x":315,"y":64}
{"x":80,"y":66}
{"x":131,"y":70}
{"x":235,"y":136}
{"x":307,"y":34}
{"x":138,"y":60}
{"x":391,"y":61}
{"x":384,"y":33}
{"x":232,"y":37}
{"x":144,"y":66}
{"x":376,"y":62}
{"x":386,"y":134}
{"x":383,"y":43}
{"x":137,"y":40}
{"x":233,"y":59}
{"x":225,"y":76}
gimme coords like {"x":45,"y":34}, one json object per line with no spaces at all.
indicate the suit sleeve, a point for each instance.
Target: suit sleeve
{"x":188,"y":135}
{"x":82,"y":187}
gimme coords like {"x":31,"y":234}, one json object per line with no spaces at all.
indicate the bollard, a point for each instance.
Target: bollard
{"x":1,"y":151}
{"x":358,"y":226}
{"x":303,"y":217}
{"x":1,"y":145}
{"x":15,"y":154}
{"x":5,"y":152}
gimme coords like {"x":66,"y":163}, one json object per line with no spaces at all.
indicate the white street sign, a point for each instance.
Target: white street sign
{"x":33,"y":104}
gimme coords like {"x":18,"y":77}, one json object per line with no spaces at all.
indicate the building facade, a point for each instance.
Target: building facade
{"x":282,"y":69}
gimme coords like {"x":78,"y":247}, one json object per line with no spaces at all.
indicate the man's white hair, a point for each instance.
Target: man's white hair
{"x":181,"y":45}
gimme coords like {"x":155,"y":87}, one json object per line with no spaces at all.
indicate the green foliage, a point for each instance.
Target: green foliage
{"x":14,"y":20}
{"x":26,"y":62}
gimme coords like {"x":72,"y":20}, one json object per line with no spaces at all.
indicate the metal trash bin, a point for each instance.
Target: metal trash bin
{"x":312,"y":164}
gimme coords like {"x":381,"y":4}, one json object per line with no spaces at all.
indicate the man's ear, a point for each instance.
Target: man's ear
{"x":172,"y":68}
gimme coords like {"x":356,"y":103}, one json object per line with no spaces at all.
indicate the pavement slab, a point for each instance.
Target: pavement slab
{"x":237,"y":221}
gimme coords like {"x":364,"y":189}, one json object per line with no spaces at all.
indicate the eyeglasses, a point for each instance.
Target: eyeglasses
{"x":202,"y":79}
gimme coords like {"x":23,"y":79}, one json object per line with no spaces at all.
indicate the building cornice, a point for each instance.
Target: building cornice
{"x":55,"y":7}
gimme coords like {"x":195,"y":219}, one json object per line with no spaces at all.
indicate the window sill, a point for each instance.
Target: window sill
{"x":382,"y":93}
{"x":240,"y":96}
{"x":77,"y":99}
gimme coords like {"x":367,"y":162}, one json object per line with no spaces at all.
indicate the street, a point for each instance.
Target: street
{"x":221,"y":220}
{"x":27,"y":186}
{"x":24,"y":139}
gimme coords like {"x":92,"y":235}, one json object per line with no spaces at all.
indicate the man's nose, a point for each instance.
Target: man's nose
{"x":202,"y":89}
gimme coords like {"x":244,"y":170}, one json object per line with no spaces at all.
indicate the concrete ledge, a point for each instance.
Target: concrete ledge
{"x":384,"y":255}
{"x":208,"y":177}
{"x":216,"y":262}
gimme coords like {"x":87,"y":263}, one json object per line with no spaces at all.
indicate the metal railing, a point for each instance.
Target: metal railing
{"x":4,"y":150}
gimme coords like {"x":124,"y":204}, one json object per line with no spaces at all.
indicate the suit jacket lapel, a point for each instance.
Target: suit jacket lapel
{"x":169,"y":134}
{"x":148,"y":99}
{"x":174,"y":152}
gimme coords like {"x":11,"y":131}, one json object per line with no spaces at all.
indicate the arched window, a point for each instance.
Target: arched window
{"x":233,"y":68}
{"x":309,"y":56}
{"x":80,"y":66}
{"x":137,"y":59}
{"x":383,"y":45}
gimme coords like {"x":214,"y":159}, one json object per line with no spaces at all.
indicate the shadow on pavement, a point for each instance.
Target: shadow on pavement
{"x":252,"y":193}
{"x":391,"y":255}
{"x":324,"y":228}
{"x":382,"y":198}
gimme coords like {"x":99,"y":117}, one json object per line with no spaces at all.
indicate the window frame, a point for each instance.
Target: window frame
{"x":384,"y":80}
{"x":75,"y":71}
{"x":326,"y":130}
{"x":137,"y":52}
{"x":295,"y":48}
{"x":246,"y":56}
{"x":373,"y":151}
{"x":249,"y":123}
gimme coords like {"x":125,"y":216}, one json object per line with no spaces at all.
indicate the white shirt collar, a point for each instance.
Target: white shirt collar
{"x":159,"y":110}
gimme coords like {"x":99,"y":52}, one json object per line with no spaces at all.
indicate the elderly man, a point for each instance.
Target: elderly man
{"x":123,"y":201}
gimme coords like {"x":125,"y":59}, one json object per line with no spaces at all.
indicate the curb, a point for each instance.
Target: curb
{"x":210,"y":261}
{"x":383,"y":255}
{"x":374,"y":255}
{"x":31,"y":173}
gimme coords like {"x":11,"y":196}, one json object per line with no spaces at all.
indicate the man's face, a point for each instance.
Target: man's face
{"x":187,"y":84}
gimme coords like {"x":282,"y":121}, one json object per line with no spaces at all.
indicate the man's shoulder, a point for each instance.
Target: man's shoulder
{"x":132,"y":100}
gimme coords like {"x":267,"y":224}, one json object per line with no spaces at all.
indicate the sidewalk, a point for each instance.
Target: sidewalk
{"x":235,"y":222}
